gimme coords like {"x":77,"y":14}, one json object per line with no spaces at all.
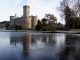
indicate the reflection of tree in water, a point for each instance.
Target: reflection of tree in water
{"x":72,"y":48}
{"x":15,"y":38}
{"x":34,"y":39}
{"x":48,"y":38}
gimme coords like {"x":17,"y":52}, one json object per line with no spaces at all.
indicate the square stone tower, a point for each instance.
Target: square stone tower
{"x":26,"y":11}
{"x":26,"y":23}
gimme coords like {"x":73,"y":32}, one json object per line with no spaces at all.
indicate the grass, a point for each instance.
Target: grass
{"x":57,"y":31}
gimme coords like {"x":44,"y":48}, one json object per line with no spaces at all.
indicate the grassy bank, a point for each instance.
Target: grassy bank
{"x":57,"y":31}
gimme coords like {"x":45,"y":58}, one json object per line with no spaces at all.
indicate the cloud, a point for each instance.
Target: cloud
{"x":37,"y":7}
{"x":9,"y":7}
{"x":42,"y":7}
{"x":17,"y":2}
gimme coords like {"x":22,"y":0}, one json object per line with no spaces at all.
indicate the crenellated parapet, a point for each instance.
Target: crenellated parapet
{"x":26,"y":21}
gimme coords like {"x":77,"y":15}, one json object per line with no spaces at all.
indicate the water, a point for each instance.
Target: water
{"x":39,"y":46}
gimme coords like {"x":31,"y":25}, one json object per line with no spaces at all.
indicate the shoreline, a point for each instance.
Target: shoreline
{"x":73,"y":32}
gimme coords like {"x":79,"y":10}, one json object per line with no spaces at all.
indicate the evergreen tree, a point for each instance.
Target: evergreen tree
{"x":38,"y":26}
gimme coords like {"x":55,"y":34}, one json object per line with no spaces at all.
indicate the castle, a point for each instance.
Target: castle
{"x":26,"y":21}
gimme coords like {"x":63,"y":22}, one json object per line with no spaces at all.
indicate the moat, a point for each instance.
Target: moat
{"x":39,"y":46}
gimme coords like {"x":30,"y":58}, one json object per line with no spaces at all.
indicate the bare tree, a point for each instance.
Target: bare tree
{"x":76,"y":7}
{"x":70,"y":11}
{"x":52,"y":21}
{"x":67,"y":12}
{"x":62,"y":7}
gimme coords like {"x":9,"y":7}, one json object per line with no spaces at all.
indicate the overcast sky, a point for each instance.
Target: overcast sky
{"x":37,"y":7}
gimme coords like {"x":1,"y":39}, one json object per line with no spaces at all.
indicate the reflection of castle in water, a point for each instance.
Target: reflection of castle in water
{"x":67,"y":46}
{"x":27,"y":39}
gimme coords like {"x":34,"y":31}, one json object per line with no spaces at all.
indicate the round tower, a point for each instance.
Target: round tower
{"x":12,"y":18}
{"x":26,"y":23}
{"x":34,"y":21}
{"x":26,"y":11}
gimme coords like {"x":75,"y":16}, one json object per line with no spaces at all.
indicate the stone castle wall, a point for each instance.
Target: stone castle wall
{"x":25,"y":21}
